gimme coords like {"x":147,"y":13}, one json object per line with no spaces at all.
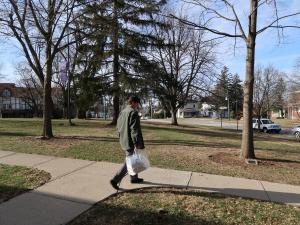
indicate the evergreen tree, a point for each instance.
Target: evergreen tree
{"x":122,"y":26}
{"x":229,"y":90}
{"x":221,"y":91}
{"x":236,"y":95}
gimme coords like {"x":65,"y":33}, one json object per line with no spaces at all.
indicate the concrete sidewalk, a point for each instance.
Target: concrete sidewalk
{"x":77,"y":184}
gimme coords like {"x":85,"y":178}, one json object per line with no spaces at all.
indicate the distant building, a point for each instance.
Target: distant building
{"x":292,"y":109}
{"x":207,"y":110}
{"x":24,"y":102}
{"x":190,"y":109}
{"x":13,"y":102}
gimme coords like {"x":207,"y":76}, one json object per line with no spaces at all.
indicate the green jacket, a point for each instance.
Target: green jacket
{"x":129,"y":129}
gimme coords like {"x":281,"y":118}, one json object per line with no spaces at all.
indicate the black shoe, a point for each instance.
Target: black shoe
{"x":114,"y":184}
{"x":137,"y":181}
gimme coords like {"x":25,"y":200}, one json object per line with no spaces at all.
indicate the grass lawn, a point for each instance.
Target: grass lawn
{"x":176,"y":207}
{"x":15,"y":180}
{"x":200,"y":149}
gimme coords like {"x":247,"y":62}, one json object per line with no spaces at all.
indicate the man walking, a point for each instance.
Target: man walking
{"x":131,"y":137}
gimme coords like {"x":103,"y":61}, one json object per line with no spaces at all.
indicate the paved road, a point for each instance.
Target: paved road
{"x":215,"y":123}
{"x":203,"y":121}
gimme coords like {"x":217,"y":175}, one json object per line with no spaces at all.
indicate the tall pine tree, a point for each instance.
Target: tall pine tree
{"x":236,"y":95}
{"x":229,"y":90}
{"x":221,"y":91}
{"x":124,"y":27}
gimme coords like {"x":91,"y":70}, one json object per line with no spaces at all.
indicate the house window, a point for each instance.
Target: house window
{"x":6,"y":93}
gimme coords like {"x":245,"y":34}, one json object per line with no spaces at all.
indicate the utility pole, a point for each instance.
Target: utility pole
{"x":221,"y":120}
{"x":228,"y":107}
{"x":236,"y":115}
{"x":105,"y":106}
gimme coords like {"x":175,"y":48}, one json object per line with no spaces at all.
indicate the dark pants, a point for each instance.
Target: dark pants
{"x":123,"y":171}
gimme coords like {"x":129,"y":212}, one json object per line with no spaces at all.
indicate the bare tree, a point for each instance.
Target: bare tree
{"x":185,"y":61}
{"x":32,"y":92}
{"x":268,"y":91}
{"x":216,"y":11}
{"x":40,"y":27}
{"x":65,"y":65}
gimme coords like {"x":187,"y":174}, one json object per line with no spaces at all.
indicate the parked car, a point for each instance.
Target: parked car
{"x":266,"y":125}
{"x":296,"y":131}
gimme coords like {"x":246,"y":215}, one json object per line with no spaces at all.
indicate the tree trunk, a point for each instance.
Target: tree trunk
{"x":116,"y":88}
{"x":247,"y":150}
{"x":174,"y":117}
{"x":48,"y":103}
{"x":116,"y":103}
{"x":47,"y":107}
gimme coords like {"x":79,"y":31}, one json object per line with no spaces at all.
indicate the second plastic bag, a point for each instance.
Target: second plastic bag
{"x":137,"y":162}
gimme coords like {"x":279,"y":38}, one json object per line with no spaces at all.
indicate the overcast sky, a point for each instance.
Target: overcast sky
{"x":282,"y":53}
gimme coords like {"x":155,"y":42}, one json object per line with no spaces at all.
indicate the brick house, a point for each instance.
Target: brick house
{"x":292,"y":108}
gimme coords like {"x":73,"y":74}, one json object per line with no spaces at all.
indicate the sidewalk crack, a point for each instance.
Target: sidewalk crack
{"x":265,"y":191}
{"x":66,"y":174}
{"x":188,"y":183}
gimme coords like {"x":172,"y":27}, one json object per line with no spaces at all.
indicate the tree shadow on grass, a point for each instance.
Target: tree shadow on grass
{"x":116,"y":214}
{"x":8,"y":192}
{"x":110,"y":211}
{"x":282,"y":150}
{"x":230,"y":134}
{"x":89,"y":138}
{"x":191,"y":143}
{"x":278,"y":160}
{"x":15,"y":134}
{"x":250,"y":194}
{"x":154,"y":142}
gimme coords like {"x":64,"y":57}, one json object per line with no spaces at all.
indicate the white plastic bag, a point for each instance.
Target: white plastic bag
{"x":137,"y":162}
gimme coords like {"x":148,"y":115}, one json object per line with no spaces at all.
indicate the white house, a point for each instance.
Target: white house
{"x":207,"y":110}
{"x":190,"y":109}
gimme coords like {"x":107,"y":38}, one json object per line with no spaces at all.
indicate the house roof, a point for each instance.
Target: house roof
{"x":8,"y":86}
{"x":11,"y":87}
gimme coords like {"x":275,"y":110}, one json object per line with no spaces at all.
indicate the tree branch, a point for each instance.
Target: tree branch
{"x":189,"y":23}
{"x":279,"y":26}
